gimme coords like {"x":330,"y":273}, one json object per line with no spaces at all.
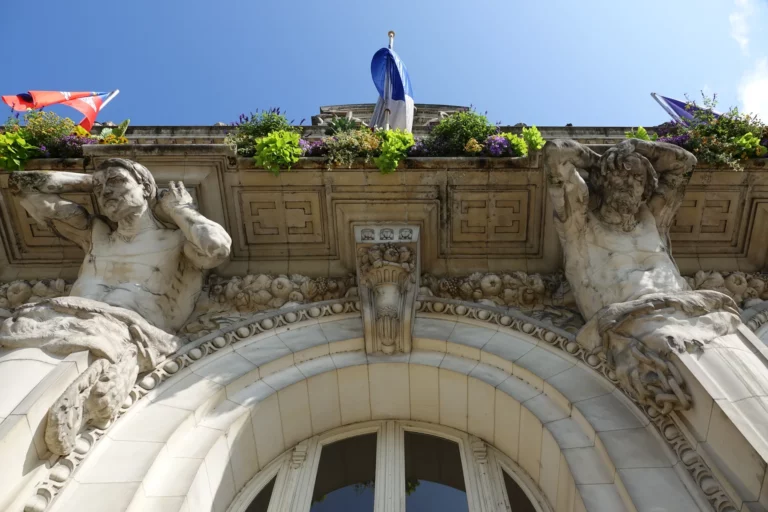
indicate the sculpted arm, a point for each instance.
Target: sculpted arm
{"x":674,"y":166}
{"x":207,"y":242}
{"x":570,"y":196}
{"x":39,"y":193}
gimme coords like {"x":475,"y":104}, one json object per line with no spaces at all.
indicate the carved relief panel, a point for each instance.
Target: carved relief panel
{"x":388,"y":283}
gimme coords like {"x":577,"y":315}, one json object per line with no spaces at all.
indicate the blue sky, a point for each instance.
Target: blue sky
{"x":547,"y":63}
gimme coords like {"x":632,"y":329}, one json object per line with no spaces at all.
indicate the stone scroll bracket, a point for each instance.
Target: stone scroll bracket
{"x":388,"y":269}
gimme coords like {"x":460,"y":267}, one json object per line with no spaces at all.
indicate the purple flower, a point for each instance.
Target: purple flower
{"x":677,"y":140}
{"x":69,"y":146}
{"x":418,"y":149}
{"x":668,"y":129}
{"x":497,"y":145}
{"x":312,"y":147}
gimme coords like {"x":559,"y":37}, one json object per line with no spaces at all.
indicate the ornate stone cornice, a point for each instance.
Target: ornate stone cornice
{"x":670,"y":426}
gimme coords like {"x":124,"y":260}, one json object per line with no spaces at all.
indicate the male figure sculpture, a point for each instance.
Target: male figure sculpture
{"x":142,"y":273}
{"x":613,"y":213}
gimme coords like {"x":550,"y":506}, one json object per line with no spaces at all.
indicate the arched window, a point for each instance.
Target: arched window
{"x":391,"y":466}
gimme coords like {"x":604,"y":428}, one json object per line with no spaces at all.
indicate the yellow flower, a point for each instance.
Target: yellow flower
{"x":473,"y":146}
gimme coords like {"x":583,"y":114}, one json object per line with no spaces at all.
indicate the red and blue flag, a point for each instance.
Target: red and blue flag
{"x":87,"y":103}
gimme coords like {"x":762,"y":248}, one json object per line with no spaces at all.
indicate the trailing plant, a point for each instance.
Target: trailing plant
{"x":69,"y":146}
{"x":14,"y":150}
{"x":342,"y":149}
{"x":451,"y":135}
{"x":517,"y":145}
{"x":726,"y":139}
{"x":394,"y":147}
{"x":46,"y":129}
{"x":278,"y":150}
{"x":341,"y":124}
{"x":52,"y":136}
{"x":533,"y":139}
{"x":312,"y":147}
{"x":249,"y":128}
{"x":641,"y":133}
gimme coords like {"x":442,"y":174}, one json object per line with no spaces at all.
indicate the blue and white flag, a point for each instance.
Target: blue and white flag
{"x":680,"y":111}
{"x":395,"y":92}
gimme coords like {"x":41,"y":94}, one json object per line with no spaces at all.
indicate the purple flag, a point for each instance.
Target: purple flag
{"x":680,"y":111}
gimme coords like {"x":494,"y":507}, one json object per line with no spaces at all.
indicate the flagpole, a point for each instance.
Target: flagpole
{"x":110,"y":97}
{"x":387,"y":84}
{"x":668,"y":110}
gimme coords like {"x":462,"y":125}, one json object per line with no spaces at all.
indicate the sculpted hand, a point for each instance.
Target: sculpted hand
{"x":175,"y":198}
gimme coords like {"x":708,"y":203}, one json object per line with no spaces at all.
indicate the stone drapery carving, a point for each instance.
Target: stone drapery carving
{"x":139,"y":281}
{"x":388,"y":277}
{"x":612,"y":214}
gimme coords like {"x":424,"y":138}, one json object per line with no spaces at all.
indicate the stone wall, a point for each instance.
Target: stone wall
{"x":477,"y":214}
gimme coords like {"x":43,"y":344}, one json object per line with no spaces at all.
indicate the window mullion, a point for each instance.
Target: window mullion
{"x":296,"y":494}
{"x":389,"y":494}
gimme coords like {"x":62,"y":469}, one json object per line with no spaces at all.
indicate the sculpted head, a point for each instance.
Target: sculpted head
{"x":123,"y":187}
{"x":624,"y":179}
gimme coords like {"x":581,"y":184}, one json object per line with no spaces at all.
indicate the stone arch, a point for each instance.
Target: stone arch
{"x":212,"y":426}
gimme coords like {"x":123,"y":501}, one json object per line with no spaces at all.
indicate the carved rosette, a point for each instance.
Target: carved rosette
{"x":388,"y":281}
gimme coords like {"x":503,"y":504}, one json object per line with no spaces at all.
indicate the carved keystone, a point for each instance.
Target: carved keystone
{"x":388,"y":281}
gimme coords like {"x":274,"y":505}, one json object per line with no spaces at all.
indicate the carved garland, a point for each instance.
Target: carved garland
{"x":668,"y":426}
{"x":62,"y":468}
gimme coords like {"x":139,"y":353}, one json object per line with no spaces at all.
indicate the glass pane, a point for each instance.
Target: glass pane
{"x":518,"y":501}
{"x":261,"y":502}
{"x":345,"y":475}
{"x":434,"y":480}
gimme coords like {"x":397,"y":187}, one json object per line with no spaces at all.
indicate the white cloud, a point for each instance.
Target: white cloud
{"x":739,"y":20}
{"x":753,"y":90}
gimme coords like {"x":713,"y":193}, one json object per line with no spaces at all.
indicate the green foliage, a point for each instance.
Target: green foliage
{"x":725,"y":140}
{"x":46,"y":129}
{"x":251,"y":128}
{"x":340,"y":125}
{"x":14,"y":150}
{"x":641,"y":133}
{"x":517,"y":145}
{"x":750,"y":144}
{"x":118,"y":132}
{"x":394,"y":147}
{"x":344,"y":148}
{"x":451,"y":135}
{"x":533,"y":139}
{"x":279,"y":149}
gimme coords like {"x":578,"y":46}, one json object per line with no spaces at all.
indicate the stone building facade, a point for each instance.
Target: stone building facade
{"x":580,"y":330}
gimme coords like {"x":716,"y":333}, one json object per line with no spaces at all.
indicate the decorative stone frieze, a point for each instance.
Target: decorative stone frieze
{"x":228,"y":300}
{"x":388,"y":282}
{"x":670,"y":426}
{"x":19,"y":292}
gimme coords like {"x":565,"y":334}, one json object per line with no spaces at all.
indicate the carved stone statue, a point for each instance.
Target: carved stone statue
{"x":613,"y":213}
{"x":142,"y":273}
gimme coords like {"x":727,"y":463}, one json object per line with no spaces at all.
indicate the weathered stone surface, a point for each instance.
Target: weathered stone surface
{"x":613,"y":214}
{"x":140,"y":279}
